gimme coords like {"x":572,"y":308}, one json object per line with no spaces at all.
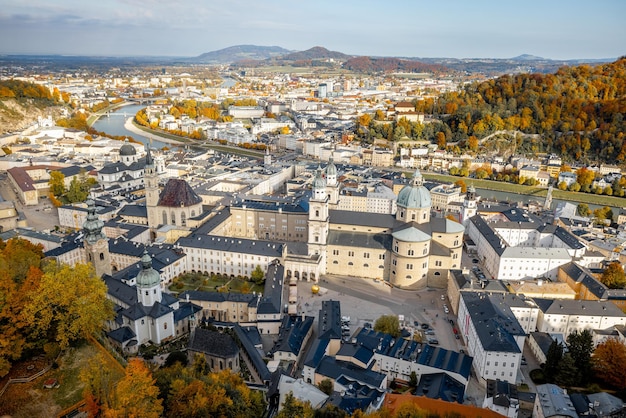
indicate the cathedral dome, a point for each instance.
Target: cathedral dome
{"x":147,"y":277}
{"x":331,"y":169}
{"x":127,"y":149}
{"x":415,"y":195}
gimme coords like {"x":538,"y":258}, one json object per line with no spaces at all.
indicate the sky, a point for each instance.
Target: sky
{"x":555,"y":29}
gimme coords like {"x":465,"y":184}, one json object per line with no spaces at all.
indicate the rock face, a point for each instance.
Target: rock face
{"x":16,"y":116}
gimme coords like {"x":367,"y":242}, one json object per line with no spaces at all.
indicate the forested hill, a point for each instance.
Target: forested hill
{"x":578,"y":111}
{"x":22,"y":102}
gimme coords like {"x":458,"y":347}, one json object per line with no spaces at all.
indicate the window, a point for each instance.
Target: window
{"x":438,"y":263}
{"x":381,"y":256}
{"x":350,"y":253}
{"x":317,"y":213}
{"x":183,"y":219}
{"x":101,"y":256}
{"x":366,"y":255}
{"x":164,"y":218}
{"x":411,"y":252}
{"x":164,"y":325}
{"x":409,"y":266}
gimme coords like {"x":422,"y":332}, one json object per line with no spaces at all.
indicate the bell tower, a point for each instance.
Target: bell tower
{"x":318,"y":216}
{"x":96,"y":244}
{"x":151,"y":184}
{"x":470,"y":206}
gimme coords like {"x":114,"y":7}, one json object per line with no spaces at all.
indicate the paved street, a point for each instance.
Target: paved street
{"x":41,"y":217}
{"x":364,"y":300}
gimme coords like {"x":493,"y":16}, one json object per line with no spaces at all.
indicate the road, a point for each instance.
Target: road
{"x":41,"y":217}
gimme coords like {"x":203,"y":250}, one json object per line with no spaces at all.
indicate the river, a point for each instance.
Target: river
{"x":114,"y":125}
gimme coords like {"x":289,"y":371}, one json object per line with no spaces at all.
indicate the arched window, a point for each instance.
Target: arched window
{"x":101,"y":256}
{"x":317,"y":213}
{"x":183,"y":219}
{"x":193,"y":213}
{"x":164,"y":218}
{"x":173,"y":217}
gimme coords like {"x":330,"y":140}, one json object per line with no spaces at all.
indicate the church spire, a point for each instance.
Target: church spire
{"x":93,"y":225}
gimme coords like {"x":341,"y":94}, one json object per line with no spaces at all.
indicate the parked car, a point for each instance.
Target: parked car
{"x":425,"y":326}
{"x":433,"y":341}
{"x":457,"y":336}
{"x":443,"y":297}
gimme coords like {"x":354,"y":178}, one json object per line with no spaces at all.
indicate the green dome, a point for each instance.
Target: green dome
{"x":415,"y":195}
{"x":319,"y":182}
{"x":331,"y":169}
{"x":147,"y":277}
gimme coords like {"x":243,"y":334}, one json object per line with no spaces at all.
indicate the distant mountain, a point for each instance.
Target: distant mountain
{"x":368,"y":65}
{"x":239,"y":53}
{"x":527,"y":57}
{"x":315,"y":53}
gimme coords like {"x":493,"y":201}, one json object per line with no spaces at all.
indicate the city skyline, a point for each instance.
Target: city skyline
{"x":458,"y":29}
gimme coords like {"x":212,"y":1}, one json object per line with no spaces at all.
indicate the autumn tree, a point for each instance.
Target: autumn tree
{"x":69,"y":304}
{"x":613,"y":276}
{"x":99,"y":384}
{"x":57,"y":183}
{"x":609,"y":362}
{"x":20,"y":277}
{"x":196,"y":392}
{"x":462,"y":185}
{"x":440,"y":138}
{"x":388,"y":324}
{"x":136,"y":395}
{"x":292,"y":407}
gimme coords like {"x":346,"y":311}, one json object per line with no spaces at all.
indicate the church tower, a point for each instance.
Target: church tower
{"x":318,"y":216}
{"x":148,"y":282}
{"x":414,"y":201}
{"x":96,"y":244}
{"x":332,"y":187}
{"x":470,"y":206}
{"x":151,"y":184}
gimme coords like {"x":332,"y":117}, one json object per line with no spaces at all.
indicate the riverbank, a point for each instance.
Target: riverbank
{"x":129,"y":125}
{"x":94,"y":117}
{"x":538,"y":192}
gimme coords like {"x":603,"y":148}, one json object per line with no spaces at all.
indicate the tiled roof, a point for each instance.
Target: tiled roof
{"x":178,"y":193}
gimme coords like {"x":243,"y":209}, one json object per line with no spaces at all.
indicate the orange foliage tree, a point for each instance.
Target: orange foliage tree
{"x":609,"y":362}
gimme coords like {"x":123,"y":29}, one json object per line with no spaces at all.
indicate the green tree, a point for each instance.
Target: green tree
{"x":57,"y":183}
{"x":69,"y":304}
{"x":257,"y":275}
{"x":583,"y":209}
{"x":568,"y":373}
{"x":553,"y":358}
{"x":326,"y":386}
{"x":388,"y":324}
{"x":613,"y":276}
{"x":76,"y":192}
{"x":579,"y":348}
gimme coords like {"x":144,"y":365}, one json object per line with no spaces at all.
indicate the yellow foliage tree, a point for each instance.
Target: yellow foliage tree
{"x":69,"y":304}
{"x":136,"y":395}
